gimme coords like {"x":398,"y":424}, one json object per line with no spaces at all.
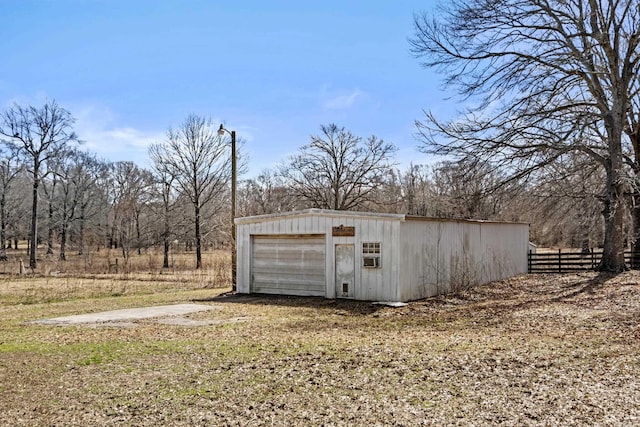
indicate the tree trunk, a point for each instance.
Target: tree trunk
{"x":81,"y":233}
{"x":635,"y":240}
{"x":113,"y":237}
{"x":124,"y":245}
{"x":33,"y":247}
{"x":165,"y":259}
{"x":198,"y":240}
{"x":50,"y":229}
{"x":139,"y":243}
{"x":613,"y":250}
{"x":63,"y":242}
{"x":3,"y":222}
{"x":634,"y":135}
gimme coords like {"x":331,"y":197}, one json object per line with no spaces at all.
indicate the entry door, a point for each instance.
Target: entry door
{"x":345,"y":264}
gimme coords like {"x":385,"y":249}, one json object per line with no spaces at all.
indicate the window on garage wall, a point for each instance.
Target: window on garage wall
{"x":371,"y":255}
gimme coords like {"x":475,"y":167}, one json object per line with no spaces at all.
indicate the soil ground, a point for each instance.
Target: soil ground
{"x":532,"y":350}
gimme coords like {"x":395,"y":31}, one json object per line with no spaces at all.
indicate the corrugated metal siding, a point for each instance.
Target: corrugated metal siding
{"x":379,"y":283}
{"x":504,"y":248}
{"x":420,"y":257}
{"x":370,"y":284}
{"x":439,"y":255}
{"x":293,"y":265}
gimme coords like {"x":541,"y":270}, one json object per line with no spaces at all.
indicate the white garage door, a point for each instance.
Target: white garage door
{"x":288,"y":265}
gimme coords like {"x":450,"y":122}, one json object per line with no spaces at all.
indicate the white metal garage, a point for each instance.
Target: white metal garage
{"x":288,"y":264}
{"x":373,"y":256}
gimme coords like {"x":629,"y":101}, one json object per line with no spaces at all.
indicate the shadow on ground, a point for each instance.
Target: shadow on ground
{"x":504,"y":296}
{"x":349,"y":306}
{"x":587,"y":286}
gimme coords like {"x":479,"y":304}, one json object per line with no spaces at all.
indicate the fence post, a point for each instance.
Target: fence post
{"x":559,"y":260}
{"x":529,"y":259}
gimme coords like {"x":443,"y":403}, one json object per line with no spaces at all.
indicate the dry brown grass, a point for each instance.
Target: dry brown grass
{"x":536,"y":350}
{"x":111,"y":261}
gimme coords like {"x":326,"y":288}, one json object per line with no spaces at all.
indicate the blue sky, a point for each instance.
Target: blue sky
{"x":272,"y":70}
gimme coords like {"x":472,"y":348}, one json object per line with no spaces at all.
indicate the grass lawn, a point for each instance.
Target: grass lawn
{"x":536,"y":350}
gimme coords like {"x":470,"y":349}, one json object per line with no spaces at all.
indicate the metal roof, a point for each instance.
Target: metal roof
{"x":319,"y":212}
{"x":356,"y":214}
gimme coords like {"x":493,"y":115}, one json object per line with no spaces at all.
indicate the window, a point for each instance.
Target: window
{"x":371,"y":255}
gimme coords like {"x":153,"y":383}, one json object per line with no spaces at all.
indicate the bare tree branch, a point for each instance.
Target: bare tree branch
{"x":338,"y":170}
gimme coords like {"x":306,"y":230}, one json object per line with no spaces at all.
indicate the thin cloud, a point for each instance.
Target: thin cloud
{"x":343,"y":101}
{"x":96,"y":127}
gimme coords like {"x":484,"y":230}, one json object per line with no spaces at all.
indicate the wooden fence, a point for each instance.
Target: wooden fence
{"x":572,"y":261}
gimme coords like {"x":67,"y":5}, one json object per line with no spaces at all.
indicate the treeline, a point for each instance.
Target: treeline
{"x":77,"y":202}
{"x":87,"y":204}
{"x":548,"y":133}
{"x":563,"y":211}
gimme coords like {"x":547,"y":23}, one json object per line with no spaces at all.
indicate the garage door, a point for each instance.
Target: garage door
{"x":288,"y":265}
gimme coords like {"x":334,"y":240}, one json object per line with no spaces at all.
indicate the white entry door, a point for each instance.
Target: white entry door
{"x":345,"y":264}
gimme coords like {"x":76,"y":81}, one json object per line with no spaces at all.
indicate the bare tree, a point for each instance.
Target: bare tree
{"x":338,"y":170}
{"x":90,"y":179}
{"x":415,"y":188}
{"x":77,"y":174}
{"x":9,"y":169}
{"x":67,"y":202}
{"x":469,"y":190}
{"x":198,"y":159}
{"x":18,"y":208}
{"x":131,"y":185}
{"x":265,"y":194}
{"x":548,"y":77}
{"x":564,"y":206}
{"x":40,"y":134}
{"x":387,"y":197}
{"x":49,"y":187}
{"x":164,"y":188}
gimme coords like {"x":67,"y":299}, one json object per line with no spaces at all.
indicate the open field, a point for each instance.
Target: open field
{"x":537,"y":350}
{"x":112,"y":261}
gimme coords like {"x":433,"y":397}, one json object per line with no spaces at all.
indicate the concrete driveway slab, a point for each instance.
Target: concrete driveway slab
{"x":119,"y":316}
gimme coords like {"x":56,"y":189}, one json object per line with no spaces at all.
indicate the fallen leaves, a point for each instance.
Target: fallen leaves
{"x":532,"y":350}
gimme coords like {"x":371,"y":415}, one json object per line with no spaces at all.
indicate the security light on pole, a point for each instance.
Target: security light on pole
{"x":221,"y":132}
